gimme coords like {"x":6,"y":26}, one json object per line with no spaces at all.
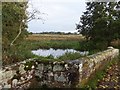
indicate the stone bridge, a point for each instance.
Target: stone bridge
{"x":60,"y":74}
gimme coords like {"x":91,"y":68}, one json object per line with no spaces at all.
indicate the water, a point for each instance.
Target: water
{"x":56,"y":53}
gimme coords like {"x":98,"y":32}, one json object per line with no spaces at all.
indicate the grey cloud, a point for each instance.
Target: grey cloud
{"x":62,"y":16}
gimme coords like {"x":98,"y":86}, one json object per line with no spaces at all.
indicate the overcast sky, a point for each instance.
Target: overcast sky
{"x":61,"y":15}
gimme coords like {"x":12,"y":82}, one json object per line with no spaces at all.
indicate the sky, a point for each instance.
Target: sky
{"x":59,"y":15}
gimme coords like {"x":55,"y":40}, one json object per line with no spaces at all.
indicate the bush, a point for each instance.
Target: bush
{"x":93,"y":45}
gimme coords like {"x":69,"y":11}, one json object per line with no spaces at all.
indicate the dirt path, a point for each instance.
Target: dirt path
{"x":112,"y":78}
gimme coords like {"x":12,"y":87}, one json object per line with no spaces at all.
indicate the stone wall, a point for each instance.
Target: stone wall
{"x":67,"y":73}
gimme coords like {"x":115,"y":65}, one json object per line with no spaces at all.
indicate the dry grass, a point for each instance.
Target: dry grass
{"x":115,"y":43}
{"x":40,"y":37}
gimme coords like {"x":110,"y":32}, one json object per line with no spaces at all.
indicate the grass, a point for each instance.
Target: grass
{"x":23,"y":50}
{"x":26,"y":47}
{"x":33,"y":45}
{"x":66,"y":56}
{"x":70,"y":56}
{"x":46,"y":41}
{"x":42,"y":37}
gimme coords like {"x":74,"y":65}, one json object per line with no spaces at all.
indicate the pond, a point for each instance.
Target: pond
{"x":57,"y":52}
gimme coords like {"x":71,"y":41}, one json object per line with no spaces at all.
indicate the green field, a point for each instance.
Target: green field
{"x":34,"y":42}
{"x":46,"y":41}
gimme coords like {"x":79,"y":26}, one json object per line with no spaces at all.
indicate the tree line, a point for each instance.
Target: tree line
{"x":60,"y":33}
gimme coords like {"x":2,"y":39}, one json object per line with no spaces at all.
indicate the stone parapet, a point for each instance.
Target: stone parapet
{"x":61,"y":73}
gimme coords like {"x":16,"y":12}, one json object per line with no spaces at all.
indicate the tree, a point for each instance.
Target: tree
{"x":100,"y":22}
{"x":14,"y":24}
{"x":13,"y":17}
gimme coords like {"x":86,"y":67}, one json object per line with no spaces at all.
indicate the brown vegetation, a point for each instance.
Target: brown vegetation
{"x":54,"y":37}
{"x":115,"y":43}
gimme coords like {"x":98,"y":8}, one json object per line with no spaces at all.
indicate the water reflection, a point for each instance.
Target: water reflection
{"x":56,"y":53}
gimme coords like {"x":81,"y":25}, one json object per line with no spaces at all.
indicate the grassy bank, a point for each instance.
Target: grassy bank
{"x":22,"y":50}
{"x":28,"y":45}
{"x":25,"y":48}
{"x":45,"y":41}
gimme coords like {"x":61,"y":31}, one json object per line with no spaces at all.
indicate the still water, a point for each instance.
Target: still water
{"x":56,"y":52}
